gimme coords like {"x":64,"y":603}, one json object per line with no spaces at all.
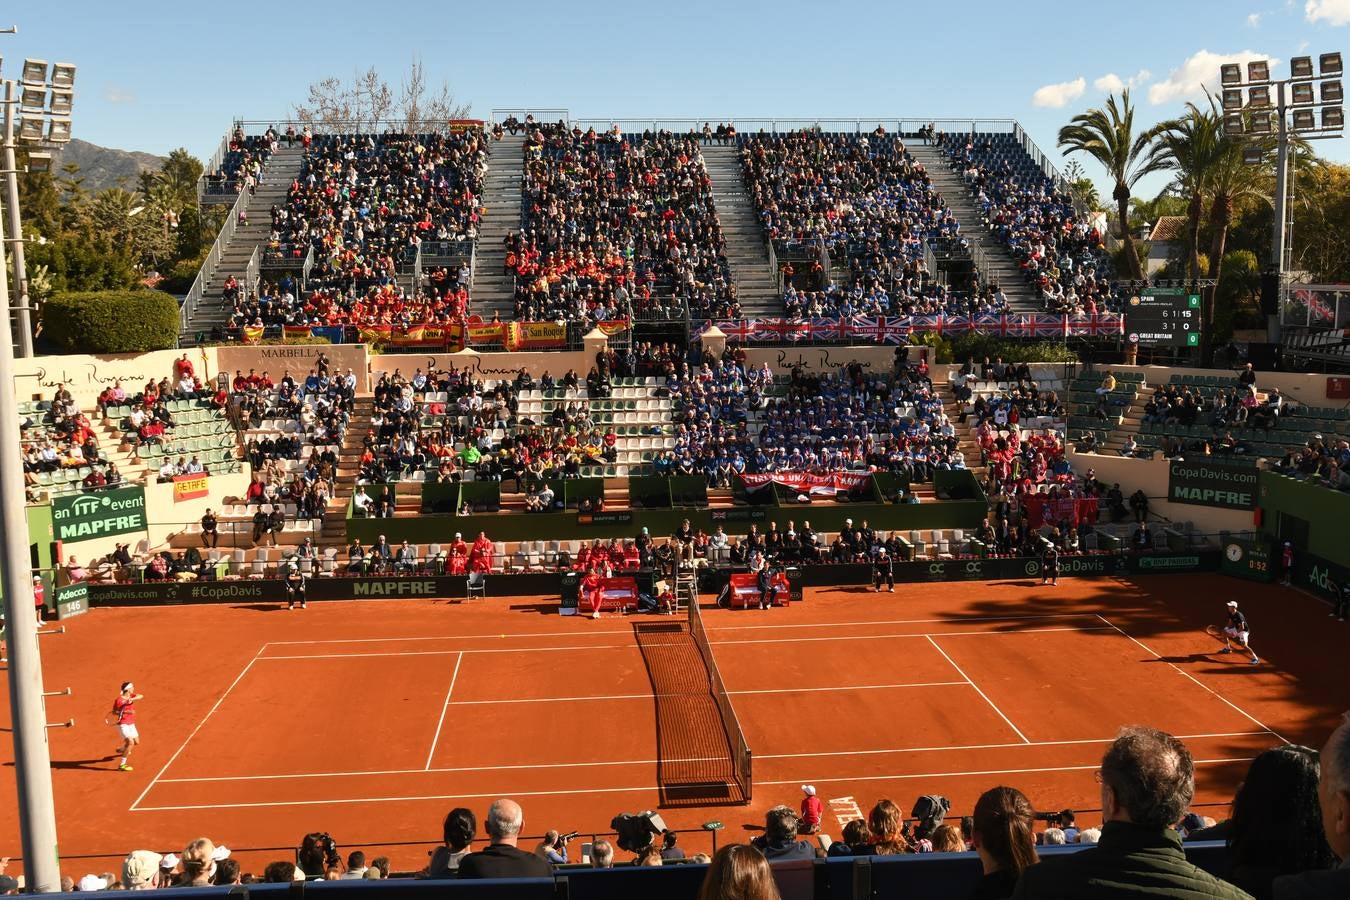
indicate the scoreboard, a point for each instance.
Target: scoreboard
{"x":1163,"y":317}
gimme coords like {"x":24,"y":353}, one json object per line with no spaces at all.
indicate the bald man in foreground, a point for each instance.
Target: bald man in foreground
{"x":501,"y":858}
{"x":1333,"y":794}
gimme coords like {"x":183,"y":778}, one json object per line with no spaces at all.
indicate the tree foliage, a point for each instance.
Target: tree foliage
{"x":111,"y":321}
{"x":367,"y":99}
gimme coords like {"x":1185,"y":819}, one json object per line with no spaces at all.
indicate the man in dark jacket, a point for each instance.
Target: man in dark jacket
{"x":1147,"y":782}
{"x":1333,"y":792}
{"x":501,"y":858}
{"x":779,"y":840}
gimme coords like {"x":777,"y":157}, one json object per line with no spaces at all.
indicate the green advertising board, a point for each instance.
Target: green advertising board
{"x":72,"y":600}
{"x":1202,"y":482}
{"x":98,"y":514}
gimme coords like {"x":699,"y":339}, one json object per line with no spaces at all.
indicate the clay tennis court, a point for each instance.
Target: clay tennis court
{"x":371,"y":719}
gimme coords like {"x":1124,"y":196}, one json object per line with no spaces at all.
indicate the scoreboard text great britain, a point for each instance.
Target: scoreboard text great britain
{"x":1163,"y":317}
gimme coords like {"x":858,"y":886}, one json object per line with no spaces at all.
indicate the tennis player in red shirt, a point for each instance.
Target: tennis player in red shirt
{"x":124,"y":713}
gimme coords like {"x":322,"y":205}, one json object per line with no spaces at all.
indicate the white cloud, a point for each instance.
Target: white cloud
{"x":1196,"y":74}
{"x":1057,"y":95}
{"x":1335,"y":12}
{"x":1254,"y":20}
{"x":1111,"y":83}
{"x":118,"y":95}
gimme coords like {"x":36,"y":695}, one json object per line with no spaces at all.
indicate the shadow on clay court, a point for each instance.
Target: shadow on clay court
{"x":1025,"y":584}
{"x":543,"y":609}
{"x":261,"y":607}
{"x":99,"y":764}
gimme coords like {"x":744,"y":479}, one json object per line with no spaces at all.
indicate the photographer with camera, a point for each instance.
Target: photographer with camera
{"x":554,"y":847}
{"x":317,"y":853}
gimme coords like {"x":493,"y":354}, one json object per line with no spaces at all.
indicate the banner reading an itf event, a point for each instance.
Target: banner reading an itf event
{"x":83,"y":517}
{"x":1206,"y":483}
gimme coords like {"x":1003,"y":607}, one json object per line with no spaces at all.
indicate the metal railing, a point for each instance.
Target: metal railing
{"x":745,"y":126}
{"x":251,"y":270}
{"x":540,"y":115}
{"x":208,"y":269}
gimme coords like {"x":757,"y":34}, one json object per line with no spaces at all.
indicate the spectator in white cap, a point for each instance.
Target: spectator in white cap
{"x":811,"y":810}
{"x":140,"y":870}
{"x":93,"y":883}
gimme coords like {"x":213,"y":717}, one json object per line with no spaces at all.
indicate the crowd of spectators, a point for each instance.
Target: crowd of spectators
{"x":295,"y":429}
{"x":866,"y":201}
{"x":242,"y":163}
{"x":1061,"y":256}
{"x":58,"y":438}
{"x":443,"y":299}
{"x":730,"y":421}
{"x":476,"y":426}
{"x":614,"y":225}
{"x":1282,"y":838}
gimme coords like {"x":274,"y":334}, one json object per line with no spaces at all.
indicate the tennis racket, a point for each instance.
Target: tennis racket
{"x":1215,"y":632}
{"x":111,"y":718}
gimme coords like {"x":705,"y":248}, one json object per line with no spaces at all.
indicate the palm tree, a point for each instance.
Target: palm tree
{"x":1108,"y":137}
{"x":1191,"y":146}
{"x":1232,"y":179}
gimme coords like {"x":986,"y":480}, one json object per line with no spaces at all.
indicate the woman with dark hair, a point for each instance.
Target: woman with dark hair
{"x":1276,"y":826}
{"x":1002,"y":835}
{"x":458,"y":833}
{"x":738,"y":872}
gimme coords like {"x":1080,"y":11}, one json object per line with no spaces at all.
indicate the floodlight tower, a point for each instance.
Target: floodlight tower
{"x":1282,"y":109}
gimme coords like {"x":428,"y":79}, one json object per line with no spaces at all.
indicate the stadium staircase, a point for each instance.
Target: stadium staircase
{"x":282,"y":168}
{"x":334,"y":533}
{"x":1127,"y":409}
{"x":494,"y":291}
{"x":999,"y":266}
{"x":754,"y":277}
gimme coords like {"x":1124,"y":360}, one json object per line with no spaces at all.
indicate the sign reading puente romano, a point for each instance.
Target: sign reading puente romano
{"x":83,"y":517}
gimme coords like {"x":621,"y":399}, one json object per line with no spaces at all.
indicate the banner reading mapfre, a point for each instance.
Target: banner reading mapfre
{"x":486,"y":332}
{"x":536,"y":335}
{"x":189,"y":487}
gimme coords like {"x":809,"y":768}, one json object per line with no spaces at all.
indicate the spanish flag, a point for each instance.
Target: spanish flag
{"x":252,"y":334}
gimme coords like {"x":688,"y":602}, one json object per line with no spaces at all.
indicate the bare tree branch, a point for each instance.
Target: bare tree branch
{"x":367,"y":101}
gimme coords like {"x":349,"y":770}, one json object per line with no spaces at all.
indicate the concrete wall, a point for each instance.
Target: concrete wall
{"x":297,"y":359}
{"x":86,"y":376}
{"x":166,"y":518}
{"x":1151,"y":475}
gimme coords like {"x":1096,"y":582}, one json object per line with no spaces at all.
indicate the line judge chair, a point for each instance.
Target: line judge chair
{"x":476,"y":586}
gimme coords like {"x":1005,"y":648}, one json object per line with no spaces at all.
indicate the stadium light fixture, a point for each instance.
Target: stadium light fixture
{"x":1230,"y":73}
{"x":1329,"y":63}
{"x":30,"y":128}
{"x":1304,"y":120}
{"x":1258,"y":70}
{"x":1302,"y":93}
{"x":1262,"y":124}
{"x":1301,"y":67}
{"x":58,"y":131}
{"x":1333,"y":118}
{"x":33,"y":96}
{"x":34,"y":71}
{"x":1233,"y":123}
{"x":1232,"y":98}
{"x":39,"y":161}
{"x":1259,"y":97}
{"x":62,"y":102}
{"x":1252,"y":154}
{"x":1332,"y":91}
{"x":63,"y":76}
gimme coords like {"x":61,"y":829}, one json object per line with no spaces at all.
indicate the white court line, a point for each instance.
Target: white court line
{"x":651,"y":696}
{"x":555,"y":634}
{"x":1230,"y":703}
{"x":652,"y":762}
{"x":440,"y":723}
{"x":628,"y":790}
{"x":183,"y":746}
{"x":977,"y":689}
{"x":792,"y":640}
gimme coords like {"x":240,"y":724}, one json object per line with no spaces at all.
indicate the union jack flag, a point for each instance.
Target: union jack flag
{"x":739,"y":331}
{"x":1047,"y":325}
{"x":879,"y":330}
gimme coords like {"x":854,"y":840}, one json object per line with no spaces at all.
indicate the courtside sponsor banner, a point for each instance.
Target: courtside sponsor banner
{"x":1206,"y":483}
{"x":97,"y":514}
{"x":72,"y":600}
{"x":272,"y":590}
{"x":189,"y":487}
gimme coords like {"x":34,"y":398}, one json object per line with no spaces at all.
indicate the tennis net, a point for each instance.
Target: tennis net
{"x":740,"y":750}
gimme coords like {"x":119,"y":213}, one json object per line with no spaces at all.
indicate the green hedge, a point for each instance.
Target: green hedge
{"x":111,"y":321}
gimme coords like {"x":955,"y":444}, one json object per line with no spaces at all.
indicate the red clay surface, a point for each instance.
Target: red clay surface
{"x":371,"y":719}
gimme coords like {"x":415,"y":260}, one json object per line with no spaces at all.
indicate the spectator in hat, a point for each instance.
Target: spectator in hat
{"x":140,"y":870}
{"x":811,"y":810}
{"x":93,"y":883}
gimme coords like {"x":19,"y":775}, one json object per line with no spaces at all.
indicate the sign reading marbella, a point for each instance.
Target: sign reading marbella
{"x":1204,"y":483}
{"x":83,"y":517}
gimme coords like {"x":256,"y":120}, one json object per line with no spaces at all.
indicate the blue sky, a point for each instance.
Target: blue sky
{"x":157,"y":75}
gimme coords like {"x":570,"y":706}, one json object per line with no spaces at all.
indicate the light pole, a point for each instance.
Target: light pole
{"x":32,"y":755}
{"x":43,"y":97}
{"x":1290,"y":111}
